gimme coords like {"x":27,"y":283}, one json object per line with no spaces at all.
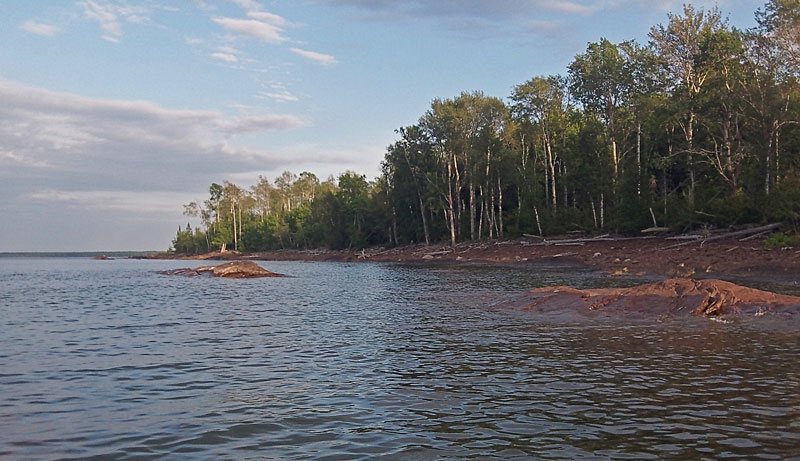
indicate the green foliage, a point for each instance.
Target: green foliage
{"x":187,"y":241}
{"x":728,"y":210}
{"x":781,"y":240}
{"x":783,"y":204}
{"x":698,"y":128}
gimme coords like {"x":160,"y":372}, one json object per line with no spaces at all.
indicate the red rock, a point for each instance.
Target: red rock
{"x":241,"y":269}
{"x":235,"y":269}
{"x":672,"y":297}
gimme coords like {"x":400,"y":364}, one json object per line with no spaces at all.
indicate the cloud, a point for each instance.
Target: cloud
{"x":263,"y":26}
{"x":149,"y":202}
{"x":38,"y":28}
{"x":268,"y":18}
{"x":227,"y":57}
{"x":567,"y":7}
{"x":319,"y":58}
{"x":258,"y":123}
{"x":249,"y":5}
{"x":278,"y":96}
{"x":79,"y":140}
{"x":479,"y":19}
{"x":105,"y":16}
{"x":67,"y":160}
{"x":253,"y":28}
{"x":666,"y":5}
{"x":108,"y":15}
{"x":507,"y":9}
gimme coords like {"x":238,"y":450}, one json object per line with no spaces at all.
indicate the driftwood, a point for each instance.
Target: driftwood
{"x":657,"y":230}
{"x":531,"y":236}
{"x":755,"y":236}
{"x":685,"y":237}
{"x":439,"y":253}
{"x":754,"y":230}
{"x":581,"y":241}
{"x":365,"y":255}
{"x":575,"y":241}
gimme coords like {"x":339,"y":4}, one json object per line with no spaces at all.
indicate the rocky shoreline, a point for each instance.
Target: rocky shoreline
{"x":616,"y":256}
{"x":691,"y":288}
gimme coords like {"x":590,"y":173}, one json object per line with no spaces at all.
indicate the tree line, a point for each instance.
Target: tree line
{"x":697,"y":127}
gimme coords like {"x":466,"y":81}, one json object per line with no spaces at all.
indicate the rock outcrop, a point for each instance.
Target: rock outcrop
{"x":234,"y":270}
{"x":669,"y":298}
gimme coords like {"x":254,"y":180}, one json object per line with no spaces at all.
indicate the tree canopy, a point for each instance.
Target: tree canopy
{"x":697,"y":127}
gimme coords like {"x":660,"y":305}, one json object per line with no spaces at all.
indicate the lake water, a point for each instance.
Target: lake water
{"x":108,"y":359}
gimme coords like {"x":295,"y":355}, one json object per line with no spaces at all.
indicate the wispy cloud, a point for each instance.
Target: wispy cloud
{"x":108,"y":15}
{"x":249,"y":5}
{"x":227,"y":57}
{"x":278,"y":96}
{"x":39,"y":28}
{"x":253,"y":28}
{"x":319,"y":58}
{"x":263,"y":26}
{"x":105,"y":16}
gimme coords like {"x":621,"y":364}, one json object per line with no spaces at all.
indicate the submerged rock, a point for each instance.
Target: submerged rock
{"x":235,"y":269}
{"x":672,"y":297}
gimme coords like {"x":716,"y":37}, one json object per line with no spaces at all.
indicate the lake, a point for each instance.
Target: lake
{"x":108,"y":359}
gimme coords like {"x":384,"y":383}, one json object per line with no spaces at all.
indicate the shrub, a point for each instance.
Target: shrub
{"x":781,"y":240}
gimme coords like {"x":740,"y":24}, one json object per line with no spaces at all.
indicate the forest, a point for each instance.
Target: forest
{"x":698,"y":128}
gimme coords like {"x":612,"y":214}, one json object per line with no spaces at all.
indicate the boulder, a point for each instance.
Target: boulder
{"x":235,"y":269}
{"x":672,"y":298}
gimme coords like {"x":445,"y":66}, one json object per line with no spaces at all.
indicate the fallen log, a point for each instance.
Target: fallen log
{"x":659,"y":230}
{"x":533,"y":236}
{"x":755,"y":236}
{"x":740,"y":233}
{"x":684,"y":237}
{"x":439,"y":253}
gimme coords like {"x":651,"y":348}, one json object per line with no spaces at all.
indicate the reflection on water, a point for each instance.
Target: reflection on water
{"x":349,"y":361}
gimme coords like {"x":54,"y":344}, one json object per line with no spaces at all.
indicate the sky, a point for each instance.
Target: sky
{"x":116,"y":113}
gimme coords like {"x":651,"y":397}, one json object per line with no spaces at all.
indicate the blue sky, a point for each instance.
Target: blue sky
{"x":115,"y":113}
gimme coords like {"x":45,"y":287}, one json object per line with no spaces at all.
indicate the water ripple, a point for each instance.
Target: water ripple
{"x":369,"y":361}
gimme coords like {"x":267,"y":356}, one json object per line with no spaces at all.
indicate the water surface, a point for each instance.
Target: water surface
{"x":364,"y":361}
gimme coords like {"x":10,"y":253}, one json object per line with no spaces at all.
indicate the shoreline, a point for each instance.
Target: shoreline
{"x":614,"y":256}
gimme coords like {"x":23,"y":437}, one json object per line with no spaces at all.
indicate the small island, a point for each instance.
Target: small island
{"x":231,"y":270}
